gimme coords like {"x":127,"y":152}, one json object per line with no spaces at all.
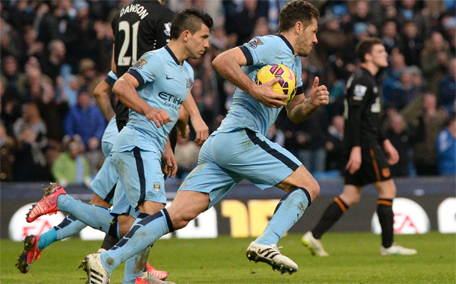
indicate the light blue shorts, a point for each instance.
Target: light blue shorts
{"x":140,"y":172}
{"x":121,"y":203}
{"x":105,"y":181}
{"x":227,"y":158}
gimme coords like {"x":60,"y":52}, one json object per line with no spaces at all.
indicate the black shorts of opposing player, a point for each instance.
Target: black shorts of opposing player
{"x":374,"y":167}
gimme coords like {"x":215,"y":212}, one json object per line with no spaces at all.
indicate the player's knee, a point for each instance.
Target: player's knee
{"x":182,"y":219}
{"x":313,"y":188}
{"x":97,"y":200}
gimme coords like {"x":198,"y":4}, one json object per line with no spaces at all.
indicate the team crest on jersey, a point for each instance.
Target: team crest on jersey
{"x":157,"y":186}
{"x":141,"y":62}
{"x":359,"y":92}
{"x":254,"y":43}
{"x":386,"y":172}
{"x":190,"y":84}
{"x":167,"y":30}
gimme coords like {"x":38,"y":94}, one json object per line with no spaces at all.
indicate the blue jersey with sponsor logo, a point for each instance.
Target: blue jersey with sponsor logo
{"x":163,"y":84}
{"x":246,"y":111}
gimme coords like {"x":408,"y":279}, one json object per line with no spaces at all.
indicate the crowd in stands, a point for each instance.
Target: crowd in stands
{"x":55,"y":52}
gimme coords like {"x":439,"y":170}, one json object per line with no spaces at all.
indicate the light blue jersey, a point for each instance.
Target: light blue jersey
{"x":246,"y":111}
{"x":163,"y":84}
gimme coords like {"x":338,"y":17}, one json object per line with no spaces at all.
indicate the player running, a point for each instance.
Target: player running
{"x":154,"y":89}
{"x":239,"y":149}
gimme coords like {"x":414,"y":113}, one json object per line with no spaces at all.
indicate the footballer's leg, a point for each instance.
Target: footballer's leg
{"x":349,"y":197}
{"x":252,"y":156}
{"x":387,"y":192}
{"x":33,"y":245}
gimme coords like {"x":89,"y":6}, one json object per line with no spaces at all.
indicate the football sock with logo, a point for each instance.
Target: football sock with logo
{"x":141,"y":235}
{"x":97,"y":217}
{"x":68,"y":227}
{"x":287,"y":213}
{"x":386,"y":219}
{"x":135,"y":265}
{"x":332,"y":214}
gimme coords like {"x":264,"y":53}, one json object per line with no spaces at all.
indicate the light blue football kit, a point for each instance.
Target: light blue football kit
{"x":163,"y":84}
{"x":237,"y":150}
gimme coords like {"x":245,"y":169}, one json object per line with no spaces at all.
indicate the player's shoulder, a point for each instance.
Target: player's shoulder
{"x":188,"y":68}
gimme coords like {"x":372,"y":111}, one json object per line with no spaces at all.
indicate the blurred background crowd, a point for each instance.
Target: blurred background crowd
{"x":54,"y":53}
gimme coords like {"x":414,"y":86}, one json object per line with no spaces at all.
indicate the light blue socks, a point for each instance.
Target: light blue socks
{"x":141,"y":235}
{"x":287,"y":213}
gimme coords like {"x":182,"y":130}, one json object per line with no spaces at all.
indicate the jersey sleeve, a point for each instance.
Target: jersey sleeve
{"x":147,"y":68}
{"x":260,"y":50}
{"x":111,"y":78}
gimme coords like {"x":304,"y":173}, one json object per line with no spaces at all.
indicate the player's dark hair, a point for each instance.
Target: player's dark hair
{"x":365,"y":46}
{"x":189,"y":19}
{"x":297,"y":10}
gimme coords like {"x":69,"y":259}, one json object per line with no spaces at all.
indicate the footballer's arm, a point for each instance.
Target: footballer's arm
{"x":201,"y":129}
{"x":125,"y":89}
{"x":101,"y":94}
{"x":229,"y":63}
{"x":301,"y":108}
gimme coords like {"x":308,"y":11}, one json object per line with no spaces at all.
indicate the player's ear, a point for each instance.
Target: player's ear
{"x":299,"y":27}
{"x":186,"y":35}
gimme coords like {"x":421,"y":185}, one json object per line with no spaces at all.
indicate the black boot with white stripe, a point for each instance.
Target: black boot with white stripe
{"x":272,"y":256}
{"x":96,"y":274}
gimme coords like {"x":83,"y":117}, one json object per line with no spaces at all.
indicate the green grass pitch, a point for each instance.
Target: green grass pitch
{"x":354,"y":258}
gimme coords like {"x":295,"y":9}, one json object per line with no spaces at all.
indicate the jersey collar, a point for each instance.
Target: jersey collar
{"x":286,"y":41}
{"x":172,"y":54}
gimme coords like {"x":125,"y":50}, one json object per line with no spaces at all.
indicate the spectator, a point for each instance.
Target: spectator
{"x":52,"y":63}
{"x":447,"y":88}
{"x":30,"y":132}
{"x":434,"y":59}
{"x":240,"y":24}
{"x":12,"y":74}
{"x":7,"y":153}
{"x":405,"y":91}
{"x":413,"y":44}
{"x":310,"y":137}
{"x":70,"y":166}
{"x":446,"y":147}
{"x":87,"y":77}
{"x":186,"y":154}
{"x":402,"y":138}
{"x":52,"y":110}
{"x":390,"y":37}
{"x":425,"y":151}
{"x":334,"y":160}
{"x":86,"y":120}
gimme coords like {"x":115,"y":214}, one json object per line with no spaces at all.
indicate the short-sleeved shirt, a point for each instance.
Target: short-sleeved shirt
{"x":362,"y":112}
{"x":163,"y":84}
{"x":246,"y":111}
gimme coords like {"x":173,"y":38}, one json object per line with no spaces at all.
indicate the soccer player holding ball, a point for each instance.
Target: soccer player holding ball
{"x":239,"y":150}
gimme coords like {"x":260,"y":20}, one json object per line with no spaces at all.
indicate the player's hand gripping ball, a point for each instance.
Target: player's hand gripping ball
{"x":287,"y":83}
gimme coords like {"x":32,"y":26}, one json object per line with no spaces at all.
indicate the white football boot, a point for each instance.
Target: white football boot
{"x":272,"y":256}
{"x":96,"y":273}
{"x":314,"y":245}
{"x":396,"y":249}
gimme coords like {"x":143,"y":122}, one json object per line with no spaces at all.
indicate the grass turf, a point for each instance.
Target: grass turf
{"x":354,"y":258}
